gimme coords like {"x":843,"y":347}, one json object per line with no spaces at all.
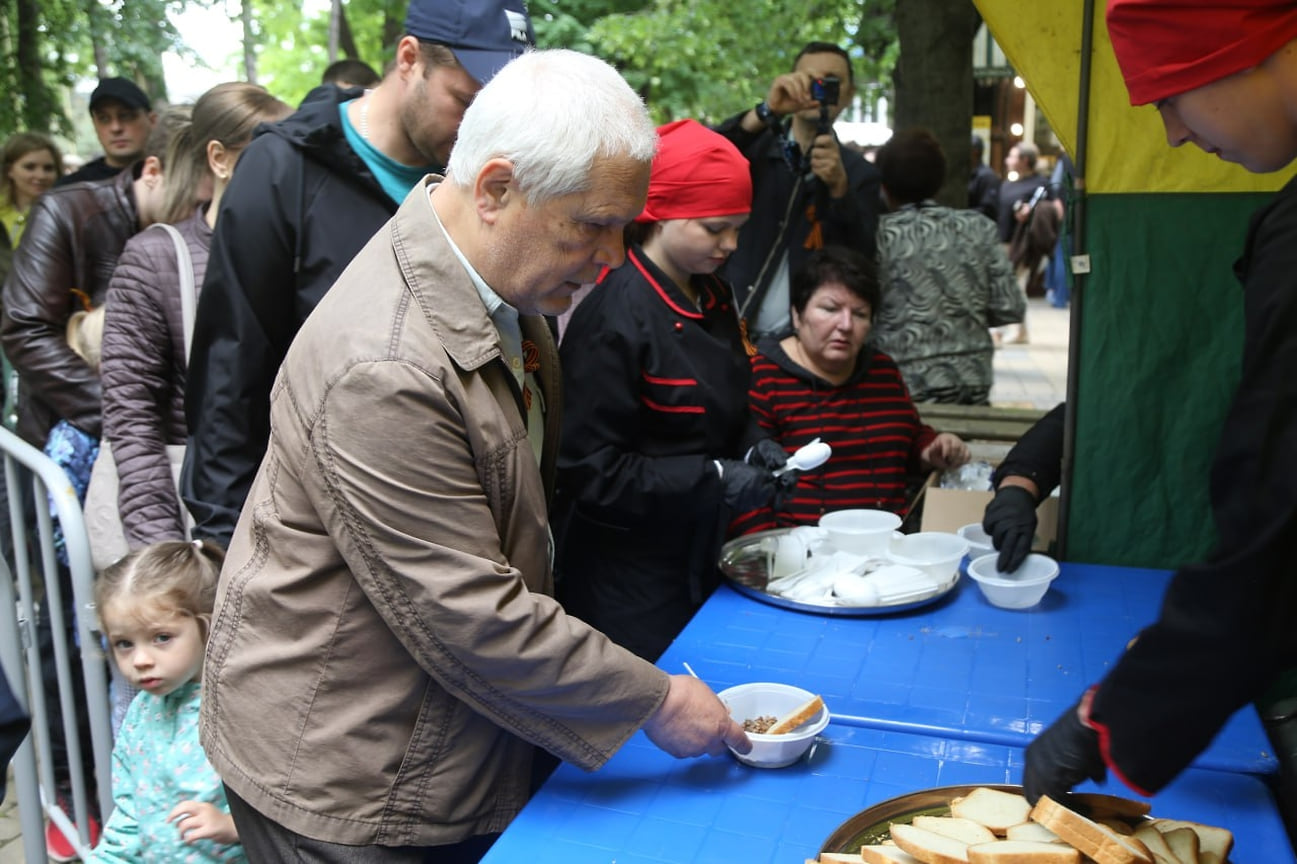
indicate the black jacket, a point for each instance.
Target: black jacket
{"x":1038,"y":455}
{"x":1226,"y":630}
{"x":654,"y":390}
{"x":850,"y":221}
{"x":298,"y":209}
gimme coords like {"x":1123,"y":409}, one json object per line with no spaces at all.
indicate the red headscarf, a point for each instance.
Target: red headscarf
{"x":1166,"y":47}
{"x":696,"y":173}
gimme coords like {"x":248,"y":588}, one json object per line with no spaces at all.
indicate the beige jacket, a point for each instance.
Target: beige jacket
{"x":385,"y":642}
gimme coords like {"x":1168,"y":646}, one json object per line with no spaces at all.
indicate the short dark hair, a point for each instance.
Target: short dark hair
{"x":350,"y":70}
{"x":828,"y":48}
{"x":978,"y":145}
{"x":855,"y":270}
{"x":912,"y":165}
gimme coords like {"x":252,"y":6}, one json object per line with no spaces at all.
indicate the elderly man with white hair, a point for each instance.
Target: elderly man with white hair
{"x":386,"y":651}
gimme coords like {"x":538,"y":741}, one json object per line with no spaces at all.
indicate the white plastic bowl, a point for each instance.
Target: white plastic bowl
{"x":979,"y":542}
{"x":750,"y":701}
{"x":1020,"y":589}
{"x":934,"y":552}
{"x":860,"y":532}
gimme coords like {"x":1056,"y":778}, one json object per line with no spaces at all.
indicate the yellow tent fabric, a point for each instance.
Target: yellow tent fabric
{"x":1127,"y":149}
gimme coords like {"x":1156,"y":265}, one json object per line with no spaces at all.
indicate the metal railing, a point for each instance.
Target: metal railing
{"x":27,"y":471}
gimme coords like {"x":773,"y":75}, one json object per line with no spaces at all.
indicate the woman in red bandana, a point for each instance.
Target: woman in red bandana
{"x":1223,"y":77}
{"x":656,"y":426}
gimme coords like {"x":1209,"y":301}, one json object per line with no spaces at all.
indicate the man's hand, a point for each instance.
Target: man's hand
{"x":199,"y":820}
{"x":1062,"y":756}
{"x":791,"y":92}
{"x":767,"y":453}
{"x":1010,"y":519}
{"x":947,"y":450}
{"x":826,"y":163}
{"x":744,"y":487}
{"x":691,"y":721}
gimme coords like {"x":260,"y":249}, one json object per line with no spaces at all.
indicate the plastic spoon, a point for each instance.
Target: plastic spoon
{"x":807,"y":458}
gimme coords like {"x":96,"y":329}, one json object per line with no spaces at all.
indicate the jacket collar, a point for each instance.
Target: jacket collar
{"x":709,"y":287}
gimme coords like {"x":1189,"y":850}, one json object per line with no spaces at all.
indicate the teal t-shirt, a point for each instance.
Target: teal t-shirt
{"x":396,"y":179}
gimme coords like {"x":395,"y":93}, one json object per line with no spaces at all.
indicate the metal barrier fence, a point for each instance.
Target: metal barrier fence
{"x":27,"y":471}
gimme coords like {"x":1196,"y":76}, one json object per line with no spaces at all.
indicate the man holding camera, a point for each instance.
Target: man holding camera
{"x":807,"y":190}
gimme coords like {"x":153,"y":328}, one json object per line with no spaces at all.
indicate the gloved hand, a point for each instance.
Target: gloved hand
{"x":785,"y":484}
{"x":767,"y":453}
{"x":1061,"y":757}
{"x":745,"y":487}
{"x":1010,"y":519}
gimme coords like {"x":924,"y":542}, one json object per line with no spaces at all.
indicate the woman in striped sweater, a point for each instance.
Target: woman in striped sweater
{"x":824,"y":382}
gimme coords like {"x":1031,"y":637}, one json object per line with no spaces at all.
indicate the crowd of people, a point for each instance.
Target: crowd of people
{"x":376,"y":544}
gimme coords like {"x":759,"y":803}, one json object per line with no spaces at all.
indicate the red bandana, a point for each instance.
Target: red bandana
{"x":696,"y":173}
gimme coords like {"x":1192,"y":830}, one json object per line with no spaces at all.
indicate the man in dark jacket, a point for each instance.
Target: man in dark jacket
{"x":123,"y":119}
{"x":983,"y":182}
{"x":807,"y":190}
{"x":308,"y":194}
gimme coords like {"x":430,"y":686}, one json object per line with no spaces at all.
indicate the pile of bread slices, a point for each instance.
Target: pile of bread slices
{"x":990,"y":826}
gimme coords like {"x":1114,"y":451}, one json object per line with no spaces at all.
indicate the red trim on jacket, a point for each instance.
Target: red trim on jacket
{"x":673,"y":409}
{"x":669,"y":382}
{"x":666,"y":298}
{"x":1105,"y":742}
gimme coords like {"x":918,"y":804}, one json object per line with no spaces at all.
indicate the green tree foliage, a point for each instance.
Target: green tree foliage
{"x":56,"y":42}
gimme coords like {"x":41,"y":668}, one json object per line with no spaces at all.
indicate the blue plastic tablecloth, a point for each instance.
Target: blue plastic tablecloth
{"x":960,"y":667}
{"x":644,"y":806}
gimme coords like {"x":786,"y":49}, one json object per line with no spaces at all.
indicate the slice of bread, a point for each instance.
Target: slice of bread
{"x":1098,"y":841}
{"x":954,"y":827}
{"x":1155,"y":843}
{"x":1022,"y":852}
{"x":990,"y":807}
{"x":886,"y":855}
{"x":796,"y":717}
{"x":928,"y":847}
{"x":1098,"y":806}
{"x":1214,"y":844}
{"x":1120,"y":826}
{"x":1184,"y":843}
{"x":1031,"y":831}
{"x":839,"y":858}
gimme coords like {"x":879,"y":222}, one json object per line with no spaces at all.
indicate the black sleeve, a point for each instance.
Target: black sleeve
{"x":1038,"y":455}
{"x":244,"y":324}
{"x":1226,"y":628}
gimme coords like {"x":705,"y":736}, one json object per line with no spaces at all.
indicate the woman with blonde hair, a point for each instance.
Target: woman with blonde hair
{"x":144,"y":355}
{"x":31,"y":165}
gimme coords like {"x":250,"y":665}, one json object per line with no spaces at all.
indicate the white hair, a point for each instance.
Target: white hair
{"x":551,"y":113}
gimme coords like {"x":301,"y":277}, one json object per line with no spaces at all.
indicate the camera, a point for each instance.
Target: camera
{"x":826,"y":90}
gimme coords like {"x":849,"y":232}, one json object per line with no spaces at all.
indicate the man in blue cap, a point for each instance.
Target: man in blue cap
{"x":123,"y":119}
{"x":309,"y":192}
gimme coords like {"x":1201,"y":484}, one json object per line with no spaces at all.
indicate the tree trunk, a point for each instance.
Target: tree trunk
{"x":335,"y":16}
{"x":249,"y":44}
{"x":38,"y":108}
{"x":346,"y":39}
{"x":934,"y":81}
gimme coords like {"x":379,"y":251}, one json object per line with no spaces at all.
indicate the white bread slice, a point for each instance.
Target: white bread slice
{"x":1031,"y":831}
{"x":886,"y":855}
{"x":928,"y":847}
{"x":990,"y":807}
{"x":1155,"y":843}
{"x":1184,"y":843}
{"x":1214,"y":844}
{"x":1098,"y":841}
{"x":1120,"y":826}
{"x":796,"y":717}
{"x":954,"y":827}
{"x":1022,"y":852}
{"x":839,"y":858}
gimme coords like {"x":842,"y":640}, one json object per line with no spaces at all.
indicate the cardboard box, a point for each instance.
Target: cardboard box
{"x":951,"y":509}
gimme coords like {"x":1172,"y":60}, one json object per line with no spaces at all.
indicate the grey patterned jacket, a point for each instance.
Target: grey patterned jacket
{"x":945,"y":280}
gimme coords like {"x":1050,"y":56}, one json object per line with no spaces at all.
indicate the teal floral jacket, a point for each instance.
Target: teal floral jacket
{"x":157,"y":763}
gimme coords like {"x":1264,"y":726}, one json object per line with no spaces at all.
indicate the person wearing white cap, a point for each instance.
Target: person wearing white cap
{"x":309,"y":192}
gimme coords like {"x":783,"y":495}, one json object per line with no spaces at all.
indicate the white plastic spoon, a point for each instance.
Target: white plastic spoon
{"x":807,"y":458}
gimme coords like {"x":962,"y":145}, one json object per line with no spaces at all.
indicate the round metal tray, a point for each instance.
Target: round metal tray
{"x":873,"y":824}
{"x":745,"y":563}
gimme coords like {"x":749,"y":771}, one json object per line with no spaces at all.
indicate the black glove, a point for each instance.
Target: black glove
{"x":1061,"y":757}
{"x":785,"y":484}
{"x":767,"y":453}
{"x":1010,"y":519}
{"x":745,"y":487}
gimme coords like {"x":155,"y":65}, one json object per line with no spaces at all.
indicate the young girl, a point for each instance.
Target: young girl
{"x":155,"y":606}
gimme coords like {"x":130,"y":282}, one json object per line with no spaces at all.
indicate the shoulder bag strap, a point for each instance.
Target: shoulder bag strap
{"x":188,"y":294}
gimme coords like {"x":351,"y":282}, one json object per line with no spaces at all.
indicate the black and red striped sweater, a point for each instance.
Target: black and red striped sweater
{"x":869,"y":421}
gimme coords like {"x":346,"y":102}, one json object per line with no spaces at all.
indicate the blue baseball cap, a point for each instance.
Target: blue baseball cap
{"x":483,"y":34}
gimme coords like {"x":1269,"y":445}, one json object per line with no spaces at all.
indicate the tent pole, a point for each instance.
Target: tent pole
{"x":1078,"y":279}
